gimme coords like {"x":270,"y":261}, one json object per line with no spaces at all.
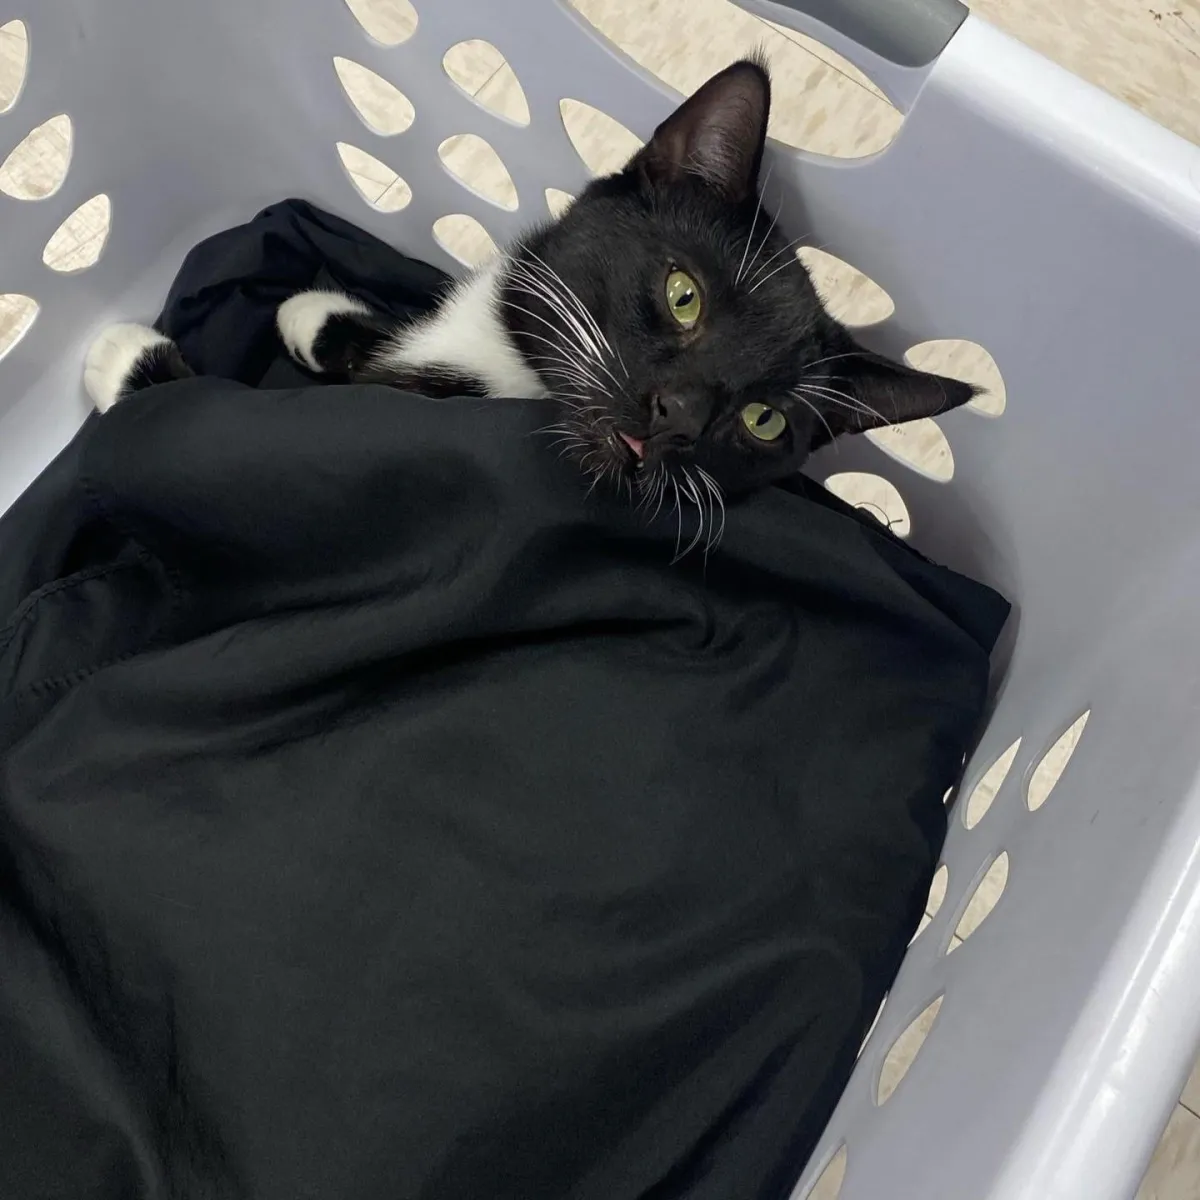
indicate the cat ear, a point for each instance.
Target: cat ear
{"x":716,"y":134}
{"x":881,"y":392}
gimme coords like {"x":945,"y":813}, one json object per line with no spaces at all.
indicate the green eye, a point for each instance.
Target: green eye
{"x":765,"y":423}
{"x":683,"y":298}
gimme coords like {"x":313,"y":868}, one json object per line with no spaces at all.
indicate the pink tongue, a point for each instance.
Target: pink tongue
{"x":635,"y":444}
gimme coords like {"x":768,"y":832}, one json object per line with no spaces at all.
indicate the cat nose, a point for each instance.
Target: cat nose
{"x":676,"y":417}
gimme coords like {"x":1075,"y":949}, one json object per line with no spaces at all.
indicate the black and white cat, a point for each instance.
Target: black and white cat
{"x":674,"y":325}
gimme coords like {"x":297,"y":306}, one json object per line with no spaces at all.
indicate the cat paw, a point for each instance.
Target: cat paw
{"x":123,"y":359}
{"x":302,"y":320}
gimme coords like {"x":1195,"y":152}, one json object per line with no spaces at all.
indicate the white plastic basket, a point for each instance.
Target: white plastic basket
{"x":1020,"y":208}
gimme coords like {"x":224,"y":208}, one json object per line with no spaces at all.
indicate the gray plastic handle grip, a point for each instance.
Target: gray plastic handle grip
{"x":909,"y":33}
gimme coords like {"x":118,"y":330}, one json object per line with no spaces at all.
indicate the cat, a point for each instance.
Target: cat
{"x":677,"y":330}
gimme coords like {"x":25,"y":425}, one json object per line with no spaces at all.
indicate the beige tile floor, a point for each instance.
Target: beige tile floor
{"x":1147,"y":53}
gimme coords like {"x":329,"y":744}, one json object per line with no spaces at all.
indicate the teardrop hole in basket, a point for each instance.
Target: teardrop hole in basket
{"x":374,"y":181}
{"x":476,"y":165}
{"x":814,"y":107}
{"x":478,"y":69}
{"x":904,"y":1051}
{"x":383,"y":107}
{"x":79,"y":241}
{"x":984,"y":792}
{"x":983,"y":900}
{"x":558,"y":201}
{"x":14,"y":62}
{"x":919,"y":445}
{"x":874,"y":495}
{"x":933,"y":902}
{"x":850,"y":296}
{"x":967,"y":361}
{"x":1054,"y":762}
{"x":388,"y":22}
{"x":38,"y":165}
{"x":829,"y":1182}
{"x":464,"y":238}
{"x":937,"y":890}
{"x":601,"y":141}
{"x":17,"y":314}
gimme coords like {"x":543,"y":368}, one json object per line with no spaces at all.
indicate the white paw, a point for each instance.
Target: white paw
{"x":301,"y":319}
{"x":111,"y":360}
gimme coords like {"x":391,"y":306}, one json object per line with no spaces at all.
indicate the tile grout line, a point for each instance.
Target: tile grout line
{"x":791,"y":35}
{"x":75,"y":249}
{"x":475,"y":93}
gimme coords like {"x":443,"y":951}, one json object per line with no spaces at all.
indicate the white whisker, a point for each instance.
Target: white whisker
{"x":551,"y":287}
{"x":765,"y":238}
{"x":572,"y":328}
{"x":749,"y":238}
{"x":576,"y":360}
{"x":678,"y":520}
{"x":782,"y":267}
{"x":753,"y":225}
{"x":562,"y":350}
{"x":834,"y":358}
{"x":698,"y":500}
{"x":715,"y":488}
{"x":815,"y":411}
{"x":573,"y":297}
{"x":790,"y":246}
{"x":693,"y":494}
{"x":578,"y":372}
{"x":661,"y":489}
{"x":843,"y":400}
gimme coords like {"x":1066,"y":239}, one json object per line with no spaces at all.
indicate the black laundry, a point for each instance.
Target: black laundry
{"x":382,"y":817}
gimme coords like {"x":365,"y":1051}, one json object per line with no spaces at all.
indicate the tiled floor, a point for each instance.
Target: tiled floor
{"x":1145,"y":52}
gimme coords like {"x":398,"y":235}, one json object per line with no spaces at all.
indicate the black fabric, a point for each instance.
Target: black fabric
{"x":381,"y":817}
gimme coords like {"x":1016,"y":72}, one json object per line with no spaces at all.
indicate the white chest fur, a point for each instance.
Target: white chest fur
{"x":467,"y":336}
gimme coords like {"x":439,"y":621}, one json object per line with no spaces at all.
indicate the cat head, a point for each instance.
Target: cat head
{"x":676,"y":325}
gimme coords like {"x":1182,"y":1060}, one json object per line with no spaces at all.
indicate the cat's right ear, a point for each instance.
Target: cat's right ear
{"x":717,"y":134}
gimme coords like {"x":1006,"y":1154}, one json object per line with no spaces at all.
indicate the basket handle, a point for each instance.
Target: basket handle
{"x":895,"y":42}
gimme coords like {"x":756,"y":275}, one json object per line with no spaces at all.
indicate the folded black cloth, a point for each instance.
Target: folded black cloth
{"x":382,"y":817}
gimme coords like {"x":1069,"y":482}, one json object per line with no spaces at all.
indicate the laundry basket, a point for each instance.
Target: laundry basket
{"x":1019,"y":208}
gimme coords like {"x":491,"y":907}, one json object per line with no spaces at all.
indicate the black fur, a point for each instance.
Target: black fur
{"x":160,"y":364}
{"x":346,"y":343}
{"x":346,"y":350}
{"x":440,"y":383}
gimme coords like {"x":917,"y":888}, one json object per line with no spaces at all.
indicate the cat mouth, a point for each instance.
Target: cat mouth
{"x":636,"y":447}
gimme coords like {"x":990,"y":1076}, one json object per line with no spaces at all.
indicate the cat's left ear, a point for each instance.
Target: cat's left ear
{"x":717,"y":134}
{"x":877,"y":391}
